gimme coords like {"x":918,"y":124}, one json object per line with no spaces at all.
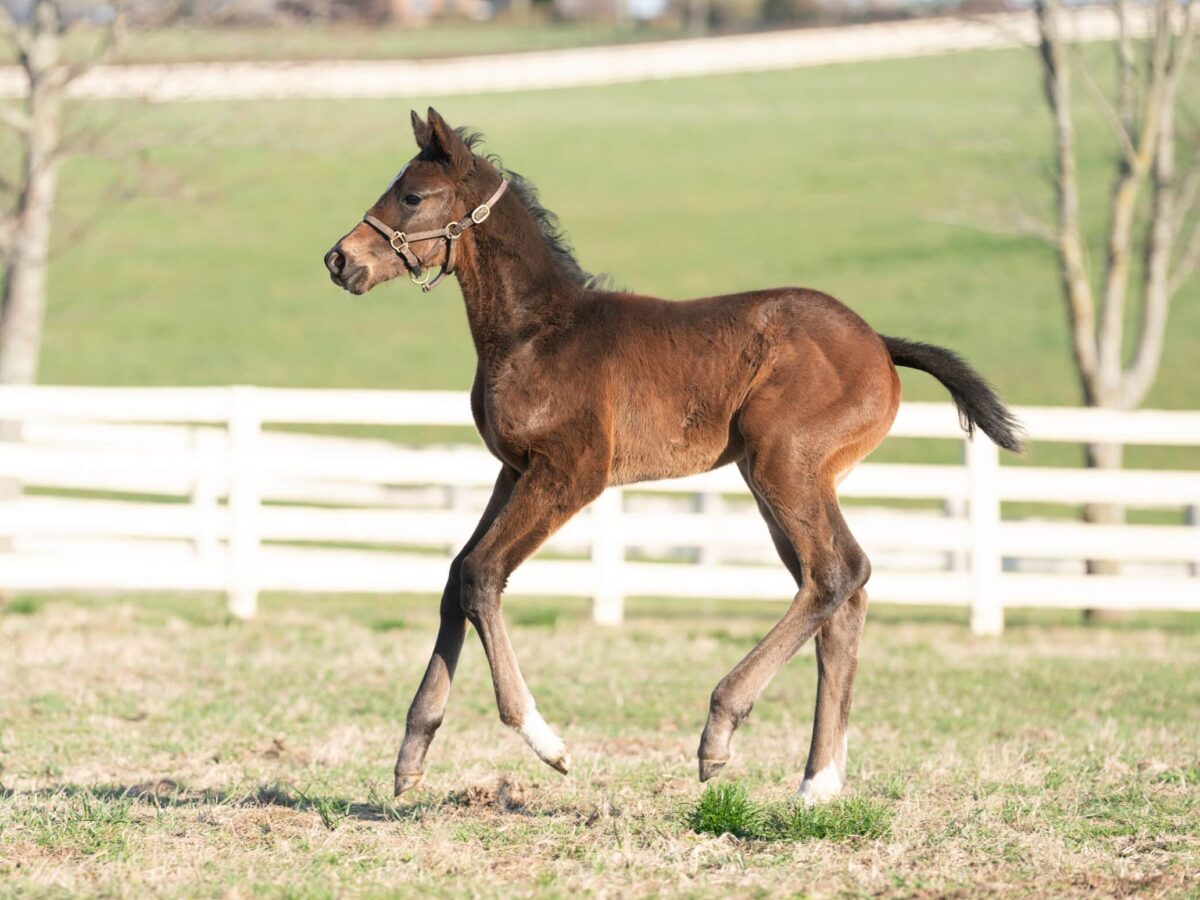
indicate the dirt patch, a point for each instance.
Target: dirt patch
{"x":504,"y":794}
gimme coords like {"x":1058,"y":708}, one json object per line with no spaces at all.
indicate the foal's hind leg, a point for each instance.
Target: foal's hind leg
{"x":837,"y":661}
{"x":429,"y":705}
{"x":801,"y":508}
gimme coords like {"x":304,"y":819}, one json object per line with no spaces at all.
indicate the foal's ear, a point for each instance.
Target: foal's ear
{"x":448,"y":142}
{"x":421,"y":130}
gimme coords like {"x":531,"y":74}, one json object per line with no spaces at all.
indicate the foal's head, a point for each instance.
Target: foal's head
{"x":443,"y":183}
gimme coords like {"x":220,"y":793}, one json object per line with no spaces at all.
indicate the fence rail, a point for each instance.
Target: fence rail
{"x":190,"y":489}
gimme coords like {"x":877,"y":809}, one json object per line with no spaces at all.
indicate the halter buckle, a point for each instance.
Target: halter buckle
{"x":480,"y":213}
{"x":402,"y":238}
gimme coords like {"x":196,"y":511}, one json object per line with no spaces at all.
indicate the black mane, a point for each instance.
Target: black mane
{"x":556,"y":240}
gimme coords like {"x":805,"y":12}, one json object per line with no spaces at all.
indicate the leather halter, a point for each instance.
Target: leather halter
{"x":450,"y":233}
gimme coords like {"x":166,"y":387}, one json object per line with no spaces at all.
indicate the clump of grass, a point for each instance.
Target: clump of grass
{"x":389,"y":625}
{"x":21,"y":606}
{"x":838,"y":820}
{"x":84,"y":823}
{"x":331,"y":812}
{"x":728,"y":809}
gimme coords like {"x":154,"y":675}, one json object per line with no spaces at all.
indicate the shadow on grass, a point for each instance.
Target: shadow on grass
{"x":165,"y":793}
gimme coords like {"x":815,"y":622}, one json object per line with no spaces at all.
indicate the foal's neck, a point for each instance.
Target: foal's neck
{"x":511,"y":284}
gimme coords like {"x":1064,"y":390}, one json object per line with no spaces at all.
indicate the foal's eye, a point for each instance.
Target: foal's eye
{"x":412,"y":200}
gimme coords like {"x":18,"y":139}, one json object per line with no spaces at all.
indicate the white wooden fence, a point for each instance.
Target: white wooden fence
{"x":184,"y":489}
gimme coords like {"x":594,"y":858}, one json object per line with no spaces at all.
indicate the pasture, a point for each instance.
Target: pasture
{"x":155,"y":745}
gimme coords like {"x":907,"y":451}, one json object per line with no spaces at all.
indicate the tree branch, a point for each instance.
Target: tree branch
{"x":112,"y":40}
{"x":1160,"y":238}
{"x":1014,"y":221}
{"x":14,"y":33}
{"x":1122,"y":126}
{"x":1130,"y":175}
{"x":1076,"y":286}
{"x":1126,"y":67}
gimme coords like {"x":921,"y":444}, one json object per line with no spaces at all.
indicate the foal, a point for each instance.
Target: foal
{"x":578,"y":388}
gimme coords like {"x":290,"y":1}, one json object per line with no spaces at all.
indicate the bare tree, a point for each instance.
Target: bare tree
{"x":1152,"y":207}
{"x":37,"y":30}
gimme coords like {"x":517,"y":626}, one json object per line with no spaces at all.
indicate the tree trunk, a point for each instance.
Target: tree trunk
{"x":1103,"y":456}
{"x":23,"y":302}
{"x":23,"y":307}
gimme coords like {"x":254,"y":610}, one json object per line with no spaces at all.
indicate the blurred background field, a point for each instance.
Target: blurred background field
{"x":886,"y":184}
{"x":872,"y":182}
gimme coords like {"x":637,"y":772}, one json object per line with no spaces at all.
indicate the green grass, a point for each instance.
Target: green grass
{"x":838,"y":178}
{"x":727,"y":808}
{"x":150,"y":745}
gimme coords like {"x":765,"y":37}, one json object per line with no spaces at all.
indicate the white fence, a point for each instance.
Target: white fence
{"x":183,"y":489}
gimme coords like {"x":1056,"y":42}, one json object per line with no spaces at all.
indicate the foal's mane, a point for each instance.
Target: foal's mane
{"x":553,"y":235}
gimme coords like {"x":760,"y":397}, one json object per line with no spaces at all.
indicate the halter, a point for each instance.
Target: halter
{"x":450,"y":233}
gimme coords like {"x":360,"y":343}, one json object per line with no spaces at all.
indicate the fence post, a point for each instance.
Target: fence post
{"x":245,"y":429}
{"x":208,"y":444}
{"x":608,"y":558}
{"x":1192,"y":517}
{"x":983,"y":472}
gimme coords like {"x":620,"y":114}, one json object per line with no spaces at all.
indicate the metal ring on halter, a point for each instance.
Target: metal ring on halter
{"x":422,"y":279}
{"x":456,"y":233}
{"x":401,"y":237}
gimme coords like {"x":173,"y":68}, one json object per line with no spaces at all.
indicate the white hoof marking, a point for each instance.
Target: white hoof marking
{"x":545,"y":743}
{"x":825,"y":785}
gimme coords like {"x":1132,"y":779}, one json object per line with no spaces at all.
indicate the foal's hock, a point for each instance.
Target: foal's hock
{"x":578,"y":387}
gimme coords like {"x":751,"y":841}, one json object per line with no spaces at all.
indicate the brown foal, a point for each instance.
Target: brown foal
{"x":578,"y":388}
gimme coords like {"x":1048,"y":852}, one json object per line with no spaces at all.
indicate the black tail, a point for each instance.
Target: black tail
{"x":977,"y":403}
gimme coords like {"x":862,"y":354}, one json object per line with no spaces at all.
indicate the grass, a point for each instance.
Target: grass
{"x":150,"y":745}
{"x":728,"y":809}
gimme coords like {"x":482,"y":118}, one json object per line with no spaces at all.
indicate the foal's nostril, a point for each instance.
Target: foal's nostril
{"x":335,"y":261}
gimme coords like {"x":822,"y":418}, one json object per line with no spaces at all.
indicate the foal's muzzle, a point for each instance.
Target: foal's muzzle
{"x":345,"y":275}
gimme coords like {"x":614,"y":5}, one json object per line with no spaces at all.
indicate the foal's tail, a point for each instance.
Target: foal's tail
{"x":978,"y":404}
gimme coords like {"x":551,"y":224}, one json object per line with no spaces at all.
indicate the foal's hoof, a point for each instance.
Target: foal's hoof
{"x":710,"y":767}
{"x":562,"y":764}
{"x":406,"y":781}
{"x":822,"y":787}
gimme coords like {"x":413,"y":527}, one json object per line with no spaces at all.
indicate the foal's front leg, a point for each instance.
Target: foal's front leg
{"x":429,"y":705}
{"x":546,"y":496}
